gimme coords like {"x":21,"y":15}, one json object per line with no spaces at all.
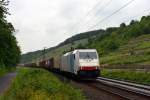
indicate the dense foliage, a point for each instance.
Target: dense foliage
{"x":105,"y":41}
{"x":112,"y":40}
{"x":9,"y":51}
{"x":29,"y":86}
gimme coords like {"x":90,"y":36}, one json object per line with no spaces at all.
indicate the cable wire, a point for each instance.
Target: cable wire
{"x":99,"y":10}
{"x":112,"y":14}
{"x":87,"y":14}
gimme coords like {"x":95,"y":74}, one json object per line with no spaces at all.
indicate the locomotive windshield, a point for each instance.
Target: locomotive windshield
{"x":87,"y":55}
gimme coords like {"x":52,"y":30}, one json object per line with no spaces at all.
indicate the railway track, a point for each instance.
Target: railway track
{"x":109,"y":89}
{"x":122,"y":90}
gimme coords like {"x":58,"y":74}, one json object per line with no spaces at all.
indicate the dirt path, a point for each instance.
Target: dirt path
{"x":5,"y":81}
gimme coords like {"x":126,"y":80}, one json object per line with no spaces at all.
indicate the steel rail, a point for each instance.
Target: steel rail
{"x":126,"y":86}
{"x":145,"y":87}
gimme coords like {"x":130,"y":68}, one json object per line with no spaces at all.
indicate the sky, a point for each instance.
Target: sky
{"x":46,"y":23}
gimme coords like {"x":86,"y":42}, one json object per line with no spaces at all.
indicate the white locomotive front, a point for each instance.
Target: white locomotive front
{"x":81,"y":62}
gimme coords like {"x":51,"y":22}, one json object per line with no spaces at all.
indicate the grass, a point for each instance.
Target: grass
{"x":141,"y":77}
{"x":141,"y":48}
{"x":126,"y":59}
{"x":4,"y":70}
{"x":39,"y":84}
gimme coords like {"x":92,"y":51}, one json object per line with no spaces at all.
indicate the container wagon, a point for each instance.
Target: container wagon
{"x":30,"y":65}
{"x":57,"y":63}
{"x":47,"y":64}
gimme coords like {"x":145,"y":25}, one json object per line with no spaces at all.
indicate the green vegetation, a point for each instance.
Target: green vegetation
{"x":81,"y":36}
{"x":37,"y":55}
{"x":39,"y":84}
{"x":4,"y":70}
{"x":112,"y":40}
{"x":9,"y":51}
{"x":141,"y":77}
{"x":130,"y":43}
{"x":136,"y":51}
{"x":127,"y":44}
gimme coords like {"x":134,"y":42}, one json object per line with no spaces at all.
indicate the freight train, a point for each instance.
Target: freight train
{"x":83,"y":63}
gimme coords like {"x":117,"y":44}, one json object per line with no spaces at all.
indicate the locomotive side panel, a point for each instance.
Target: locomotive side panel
{"x":67,"y":63}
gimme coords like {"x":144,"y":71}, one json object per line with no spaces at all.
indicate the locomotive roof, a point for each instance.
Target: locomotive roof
{"x":84,"y":50}
{"x":80,"y":50}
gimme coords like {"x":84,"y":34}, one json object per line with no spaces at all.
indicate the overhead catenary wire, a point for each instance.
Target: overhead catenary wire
{"x":104,"y":6}
{"x":111,"y":13}
{"x":116,"y":11}
{"x":87,"y":14}
{"x":98,"y":11}
{"x":137,"y":15}
{"x":93,"y":8}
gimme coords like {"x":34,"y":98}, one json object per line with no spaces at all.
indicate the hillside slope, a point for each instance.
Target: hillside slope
{"x":136,"y":51}
{"x":74,"y":41}
{"x":127,"y":44}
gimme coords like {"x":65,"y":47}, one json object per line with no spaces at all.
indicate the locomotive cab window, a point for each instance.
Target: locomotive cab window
{"x":87,"y":55}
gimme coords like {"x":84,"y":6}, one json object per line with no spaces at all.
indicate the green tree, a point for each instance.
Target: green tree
{"x":133,"y":22}
{"x":80,"y":46}
{"x":122,"y":25}
{"x":9,"y":50}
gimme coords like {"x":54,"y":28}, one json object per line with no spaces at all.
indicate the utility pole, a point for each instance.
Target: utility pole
{"x":43,"y":53}
{"x":72,"y":44}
